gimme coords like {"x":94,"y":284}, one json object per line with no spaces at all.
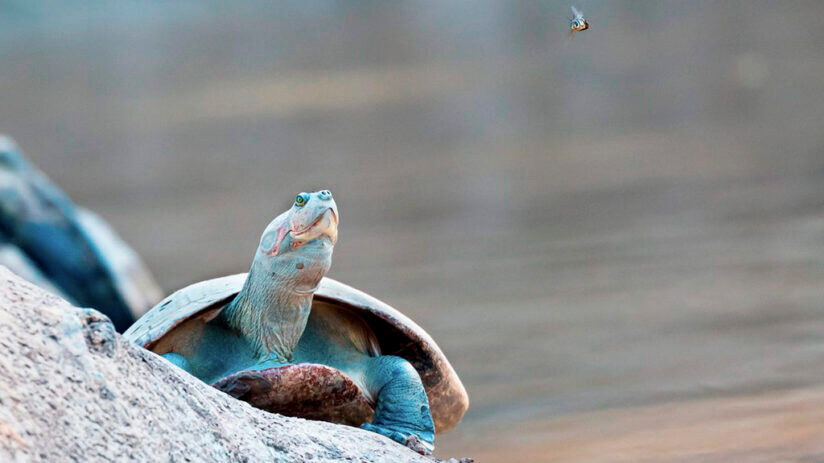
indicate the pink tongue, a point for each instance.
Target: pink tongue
{"x":282,"y":231}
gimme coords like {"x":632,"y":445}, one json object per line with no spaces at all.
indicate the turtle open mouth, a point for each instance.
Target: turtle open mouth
{"x":325,"y":224}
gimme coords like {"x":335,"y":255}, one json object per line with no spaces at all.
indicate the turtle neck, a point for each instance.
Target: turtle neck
{"x":270,"y":312}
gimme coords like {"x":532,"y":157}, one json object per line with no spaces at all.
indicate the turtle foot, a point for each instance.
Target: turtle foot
{"x":412,"y":441}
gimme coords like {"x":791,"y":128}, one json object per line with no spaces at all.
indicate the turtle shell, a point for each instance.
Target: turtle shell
{"x":310,"y":390}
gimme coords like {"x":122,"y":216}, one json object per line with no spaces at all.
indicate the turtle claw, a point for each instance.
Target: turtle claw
{"x":412,"y":441}
{"x":418,"y":445}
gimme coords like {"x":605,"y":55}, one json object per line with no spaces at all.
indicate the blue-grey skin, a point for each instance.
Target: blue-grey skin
{"x":45,"y":238}
{"x":268,"y":325}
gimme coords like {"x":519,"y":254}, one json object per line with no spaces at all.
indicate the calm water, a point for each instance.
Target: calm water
{"x":628,"y":218}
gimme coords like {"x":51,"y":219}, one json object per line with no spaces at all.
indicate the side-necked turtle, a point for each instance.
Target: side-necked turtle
{"x":288,"y":340}
{"x":68,"y":250}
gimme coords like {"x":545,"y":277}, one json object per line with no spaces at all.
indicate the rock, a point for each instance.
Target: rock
{"x":71,"y":389}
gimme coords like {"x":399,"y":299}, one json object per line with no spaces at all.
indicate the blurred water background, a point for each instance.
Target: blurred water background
{"x":629,"y":218}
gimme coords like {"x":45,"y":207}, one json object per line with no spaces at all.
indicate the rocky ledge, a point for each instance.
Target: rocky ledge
{"x":71,"y":389}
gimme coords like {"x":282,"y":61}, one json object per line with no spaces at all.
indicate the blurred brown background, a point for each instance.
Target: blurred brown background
{"x":609,"y":236}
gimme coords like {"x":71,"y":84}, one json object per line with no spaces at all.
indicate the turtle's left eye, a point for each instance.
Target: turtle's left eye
{"x":301,"y":200}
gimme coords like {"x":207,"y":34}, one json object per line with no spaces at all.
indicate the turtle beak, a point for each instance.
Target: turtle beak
{"x":326,"y":224}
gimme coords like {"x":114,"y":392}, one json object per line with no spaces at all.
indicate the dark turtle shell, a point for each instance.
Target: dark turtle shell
{"x":310,"y":390}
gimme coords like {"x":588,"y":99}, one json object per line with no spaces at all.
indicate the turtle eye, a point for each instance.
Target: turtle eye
{"x":301,"y":200}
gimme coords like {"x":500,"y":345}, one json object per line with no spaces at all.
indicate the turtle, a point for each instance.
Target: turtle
{"x":287,"y":339}
{"x":66,"y":249}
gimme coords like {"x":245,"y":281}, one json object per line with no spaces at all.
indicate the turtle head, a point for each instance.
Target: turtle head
{"x":296,"y":247}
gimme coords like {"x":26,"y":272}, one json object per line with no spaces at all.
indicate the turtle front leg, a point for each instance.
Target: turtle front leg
{"x":402,"y":408}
